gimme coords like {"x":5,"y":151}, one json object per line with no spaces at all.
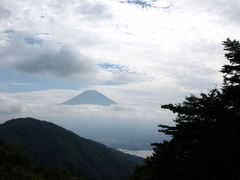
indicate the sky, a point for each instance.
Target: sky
{"x":140,"y":53}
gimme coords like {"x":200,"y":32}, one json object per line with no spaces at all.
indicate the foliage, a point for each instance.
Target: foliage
{"x":57,"y":147}
{"x":17,"y":164}
{"x":205,"y":140}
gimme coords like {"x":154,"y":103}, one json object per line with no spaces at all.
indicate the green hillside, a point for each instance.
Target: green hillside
{"x":57,"y":147}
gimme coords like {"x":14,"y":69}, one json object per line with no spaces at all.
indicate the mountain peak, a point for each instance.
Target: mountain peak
{"x":90,"y":97}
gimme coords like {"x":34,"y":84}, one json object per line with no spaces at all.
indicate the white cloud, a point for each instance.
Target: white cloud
{"x":224,"y":12}
{"x":10,"y":106}
{"x":162,"y":4}
{"x":124,"y":77}
{"x":127,"y":106}
{"x":93,"y":10}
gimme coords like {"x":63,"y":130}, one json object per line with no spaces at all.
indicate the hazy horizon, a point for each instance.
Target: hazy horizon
{"x":140,"y":54}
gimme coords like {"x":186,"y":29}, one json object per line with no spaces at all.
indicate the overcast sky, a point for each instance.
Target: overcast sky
{"x":140,"y":54}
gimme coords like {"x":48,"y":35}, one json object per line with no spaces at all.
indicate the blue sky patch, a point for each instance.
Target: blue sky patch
{"x":138,"y":2}
{"x":112,"y":83}
{"x":9,"y":31}
{"x":31,"y":41}
{"x":112,"y":67}
{"x":144,"y":3}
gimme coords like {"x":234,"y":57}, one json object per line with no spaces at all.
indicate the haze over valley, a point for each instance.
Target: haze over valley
{"x":138,"y":54}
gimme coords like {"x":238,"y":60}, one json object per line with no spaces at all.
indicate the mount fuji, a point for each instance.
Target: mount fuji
{"x":91,"y":97}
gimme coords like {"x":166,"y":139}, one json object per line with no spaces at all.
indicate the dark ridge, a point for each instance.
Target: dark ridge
{"x":55,"y":146}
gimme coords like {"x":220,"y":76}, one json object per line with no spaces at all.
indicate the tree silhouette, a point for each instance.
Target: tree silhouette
{"x":206,"y":137}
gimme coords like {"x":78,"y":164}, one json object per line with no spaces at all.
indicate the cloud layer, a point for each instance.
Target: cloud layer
{"x":60,"y":62}
{"x":93,"y":11}
{"x":139,"y":53}
{"x":160,"y":40}
{"x":10,"y":106}
{"x":4,"y":13}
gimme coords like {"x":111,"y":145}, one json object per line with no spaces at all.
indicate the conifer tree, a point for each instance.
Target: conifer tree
{"x":206,"y":137}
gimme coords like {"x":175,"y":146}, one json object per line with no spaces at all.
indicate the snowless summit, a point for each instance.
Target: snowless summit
{"x":90,"y":97}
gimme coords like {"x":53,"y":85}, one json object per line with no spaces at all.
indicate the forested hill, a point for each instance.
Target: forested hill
{"x":57,"y":147}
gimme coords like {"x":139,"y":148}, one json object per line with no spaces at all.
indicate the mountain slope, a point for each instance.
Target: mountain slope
{"x":17,"y":164}
{"x":57,"y":147}
{"x":90,"y":97}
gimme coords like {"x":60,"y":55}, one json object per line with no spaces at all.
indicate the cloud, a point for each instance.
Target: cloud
{"x":119,"y":73}
{"x":119,"y":121}
{"x":4,"y":13}
{"x":127,"y":106}
{"x":227,"y":10}
{"x":23,"y":84}
{"x":122,"y":108}
{"x":231,"y":11}
{"x":10,"y":106}
{"x":93,"y":11}
{"x":178,"y":49}
{"x":92,"y":121}
{"x":148,"y":3}
{"x":124,"y":77}
{"x":1,"y":88}
{"x":62,"y":62}
{"x":138,"y":2}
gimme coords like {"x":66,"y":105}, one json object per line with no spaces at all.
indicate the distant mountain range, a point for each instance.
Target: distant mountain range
{"x":91,"y":97}
{"x":57,"y":147}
